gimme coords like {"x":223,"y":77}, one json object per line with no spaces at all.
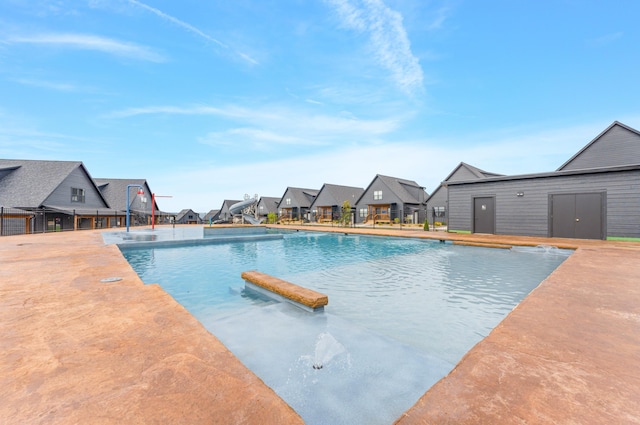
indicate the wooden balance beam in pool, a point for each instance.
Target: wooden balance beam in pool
{"x":282,"y":290}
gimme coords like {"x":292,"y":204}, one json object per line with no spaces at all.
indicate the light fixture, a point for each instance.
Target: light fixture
{"x":519,"y":194}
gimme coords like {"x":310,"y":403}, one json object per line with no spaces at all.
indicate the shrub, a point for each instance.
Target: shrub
{"x":426,"y":225}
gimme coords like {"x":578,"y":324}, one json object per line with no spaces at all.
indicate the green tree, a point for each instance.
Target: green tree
{"x":345,"y":217}
{"x":272,"y":218}
{"x":426,"y":225}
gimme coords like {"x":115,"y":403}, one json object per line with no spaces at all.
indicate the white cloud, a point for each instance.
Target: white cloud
{"x":388,"y":39}
{"x":606,"y":39}
{"x":277,"y":123}
{"x":91,"y":42}
{"x":47,"y":84}
{"x":191,"y":29}
{"x":257,"y":138}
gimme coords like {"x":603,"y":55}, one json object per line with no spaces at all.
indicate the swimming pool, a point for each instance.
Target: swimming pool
{"x":401,"y":313}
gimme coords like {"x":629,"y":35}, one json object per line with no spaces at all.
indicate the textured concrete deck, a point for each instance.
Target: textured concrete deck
{"x":74,"y":349}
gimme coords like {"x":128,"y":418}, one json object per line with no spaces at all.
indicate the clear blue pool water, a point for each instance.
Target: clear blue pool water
{"x":401,"y":313}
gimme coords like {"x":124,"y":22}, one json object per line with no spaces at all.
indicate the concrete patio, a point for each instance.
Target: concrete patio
{"x":78,"y":347}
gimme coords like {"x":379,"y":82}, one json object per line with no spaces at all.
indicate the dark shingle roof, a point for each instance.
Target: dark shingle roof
{"x":342,"y":193}
{"x":28,"y":183}
{"x":270,"y":202}
{"x":398,"y":186}
{"x":303,"y":197}
{"x":210,"y":215}
{"x":115,"y":191}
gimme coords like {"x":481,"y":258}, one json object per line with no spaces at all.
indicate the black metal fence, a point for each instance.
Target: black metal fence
{"x":16,"y":221}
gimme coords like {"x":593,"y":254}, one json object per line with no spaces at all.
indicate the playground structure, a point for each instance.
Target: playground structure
{"x":246,"y":211}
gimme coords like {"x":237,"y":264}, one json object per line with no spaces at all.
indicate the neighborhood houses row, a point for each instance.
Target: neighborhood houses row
{"x":594,"y":195}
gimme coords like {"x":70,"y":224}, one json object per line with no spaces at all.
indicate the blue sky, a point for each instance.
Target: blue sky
{"x":209,"y":100}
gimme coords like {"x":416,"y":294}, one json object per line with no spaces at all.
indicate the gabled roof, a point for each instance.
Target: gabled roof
{"x":115,"y":191}
{"x":184,"y":212}
{"x":597,"y":140}
{"x":270,"y":202}
{"x":28,"y":183}
{"x":227,"y":203}
{"x":210,"y":215}
{"x":303,"y":197}
{"x":551,"y":174}
{"x":398,"y":187}
{"x":463,"y":168}
{"x":341,"y":193}
{"x":481,"y":174}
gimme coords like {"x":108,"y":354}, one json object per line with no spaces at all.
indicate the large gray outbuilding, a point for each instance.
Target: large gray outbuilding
{"x":594,"y":195}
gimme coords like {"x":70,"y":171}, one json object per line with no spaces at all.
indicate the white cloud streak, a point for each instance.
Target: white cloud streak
{"x":91,"y":42}
{"x":65,"y":87}
{"x":606,"y":39}
{"x":178,"y":22}
{"x":275,"y":124}
{"x":190,"y":28}
{"x":388,"y":39}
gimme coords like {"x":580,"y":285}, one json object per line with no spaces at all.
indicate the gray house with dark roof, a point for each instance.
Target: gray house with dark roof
{"x":594,"y":195}
{"x":54,"y":196}
{"x":437,"y":201}
{"x":295,"y":203}
{"x":140,"y":208}
{"x":267,"y":205}
{"x":210,"y":216}
{"x":188,"y":216}
{"x":389,"y":198}
{"x":224,"y":215}
{"x":327,"y":206}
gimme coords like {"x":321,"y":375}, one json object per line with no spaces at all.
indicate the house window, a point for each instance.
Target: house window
{"x":363,"y":212}
{"x":77,"y":195}
{"x":287,"y":201}
{"x":377,"y":194}
{"x":438,"y":211}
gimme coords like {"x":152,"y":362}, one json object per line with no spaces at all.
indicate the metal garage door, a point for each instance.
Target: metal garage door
{"x":577,"y":215}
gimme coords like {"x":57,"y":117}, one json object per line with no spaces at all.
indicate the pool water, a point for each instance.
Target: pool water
{"x":401,"y":313}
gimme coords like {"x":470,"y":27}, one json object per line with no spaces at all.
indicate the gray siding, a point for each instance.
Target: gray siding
{"x":135,"y":200}
{"x":437,"y":199}
{"x":462,"y":174}
{"x":417,"y":192}
{"x":61,"y":196}
{"x":529,"y":215}
{"x":618,"y":146}
{"x":389,"y":197}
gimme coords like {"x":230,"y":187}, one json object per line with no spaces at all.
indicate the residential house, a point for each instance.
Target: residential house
{"x":437,"y":201}
{"x":391,"y":199}
{"x":188,"y":216}
{"x":267,"y":205}
{"x":327,"y":206}
{"x":594,"y":195}
{"x":224,"y":215}
{"x":210,"y":217}
{"x":43,"y":196}
{"x":139,"y":197}
{"x":295,"y":203}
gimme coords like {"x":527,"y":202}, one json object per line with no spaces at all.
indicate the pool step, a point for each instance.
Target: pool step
{"x":282,"y":290}
{"x":483,"y":244}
